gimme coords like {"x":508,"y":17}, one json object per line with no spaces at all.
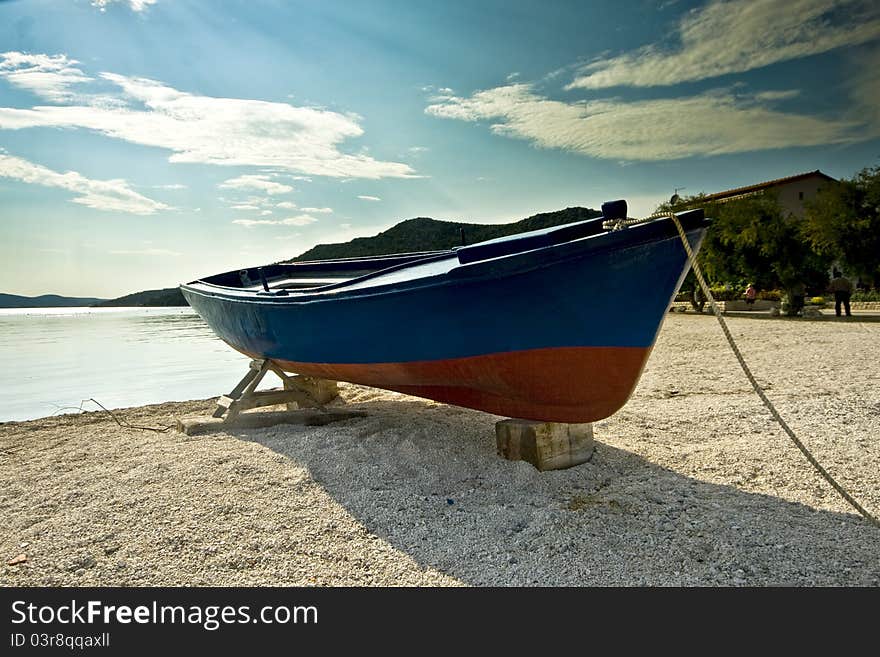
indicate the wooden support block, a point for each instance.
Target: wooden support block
{"x":224,"y":404}
{"x":200,"y":425}
{"x":228,"y":404}
{"x":546,"y":445}
{"x":318,"y":391}
{"x":272,"y":397}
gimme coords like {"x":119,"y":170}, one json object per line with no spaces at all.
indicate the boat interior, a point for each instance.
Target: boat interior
{"x":312,"y":274}
{"x":362,"y":272}
{"x":280,"y":279}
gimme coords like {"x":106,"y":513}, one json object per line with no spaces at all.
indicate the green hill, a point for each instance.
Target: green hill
{"x":424,"y":234}
{"x":171,"y":296}
{"x":45,"y":301}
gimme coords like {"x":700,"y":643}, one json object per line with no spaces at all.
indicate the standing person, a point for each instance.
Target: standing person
{"x":842,"y":289}
{"x":751,"y":294}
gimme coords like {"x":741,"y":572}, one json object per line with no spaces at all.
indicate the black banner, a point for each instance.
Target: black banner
{"x":122,"y":620}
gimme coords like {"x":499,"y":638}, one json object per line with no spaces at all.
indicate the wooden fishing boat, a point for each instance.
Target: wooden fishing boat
{"x":552,"y":325}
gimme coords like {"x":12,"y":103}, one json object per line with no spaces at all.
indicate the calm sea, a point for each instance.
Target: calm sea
{"x":53,"y":358}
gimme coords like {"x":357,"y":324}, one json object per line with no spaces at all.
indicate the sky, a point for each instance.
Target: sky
{"x":146,"y":143}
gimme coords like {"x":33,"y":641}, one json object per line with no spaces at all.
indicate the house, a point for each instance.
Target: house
{"x":791,"y":191}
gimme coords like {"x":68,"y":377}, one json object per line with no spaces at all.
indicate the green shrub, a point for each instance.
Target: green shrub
{"x":866,"y":295}
{"x":770,"y":295}
{"x":727,"y":294}
{"x":735,"y":294}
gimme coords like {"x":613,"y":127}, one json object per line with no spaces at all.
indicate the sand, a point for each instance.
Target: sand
{"x":691,"y":484}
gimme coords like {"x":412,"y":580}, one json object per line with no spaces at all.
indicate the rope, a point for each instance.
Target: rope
{"x":121,"y":423}
{"x":758,"y":390}
{"x":617,"y":224}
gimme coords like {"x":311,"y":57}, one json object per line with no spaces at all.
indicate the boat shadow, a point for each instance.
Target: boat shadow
{"x":426,"y":478}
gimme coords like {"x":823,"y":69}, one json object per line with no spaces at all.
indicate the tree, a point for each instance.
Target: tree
{"x":843,"y":223}
{"x":753,"y":240}
{"x":689,"y":285}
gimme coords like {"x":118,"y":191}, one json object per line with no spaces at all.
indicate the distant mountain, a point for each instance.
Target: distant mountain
{"x":424,"y":234}
{"x":167,"y":297}
{"x":46,"y":301}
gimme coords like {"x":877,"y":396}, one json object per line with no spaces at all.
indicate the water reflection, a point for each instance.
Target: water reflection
{"x":54,"y":358}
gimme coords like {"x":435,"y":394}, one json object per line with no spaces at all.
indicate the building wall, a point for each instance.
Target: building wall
{"x":792,"y":195}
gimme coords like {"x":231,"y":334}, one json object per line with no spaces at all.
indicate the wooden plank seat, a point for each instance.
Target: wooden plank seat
{"x":298,"y":283}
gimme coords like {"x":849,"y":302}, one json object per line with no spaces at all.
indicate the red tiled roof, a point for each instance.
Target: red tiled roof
{"x":751,"y":189}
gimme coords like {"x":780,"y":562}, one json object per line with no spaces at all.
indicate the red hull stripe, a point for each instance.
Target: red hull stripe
{"x":566,"y":384}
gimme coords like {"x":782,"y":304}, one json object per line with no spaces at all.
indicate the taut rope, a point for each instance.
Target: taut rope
{"x":745,"y":368}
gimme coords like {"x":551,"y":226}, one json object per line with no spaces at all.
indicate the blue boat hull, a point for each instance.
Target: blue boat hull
{"x":559,"y":333}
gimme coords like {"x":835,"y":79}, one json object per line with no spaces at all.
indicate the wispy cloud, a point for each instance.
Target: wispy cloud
{"x":196,"y":129}
{"x":735,"y":36}
{"x":782,"y":94}
{"x":299,"y":220}
{"x":369,"y":198}
{"x":146,"y":252}
{"x":286,"y":205}
{"x":263,"y":201}
{"x":111,"y":195}
{"x":865,"y":90}
{"x":48,"y":76}
{"x":318,"y":210}
{"x":134,"y":5}
{"x":261,"y":182}
{"x":172,"y":186}
{"x":707,"y":124}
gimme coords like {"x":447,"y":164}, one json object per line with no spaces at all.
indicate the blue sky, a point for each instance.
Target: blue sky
{"x":144,"y":143}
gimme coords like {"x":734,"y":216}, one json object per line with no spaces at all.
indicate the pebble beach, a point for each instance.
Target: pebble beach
{"x":691,"y":484}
